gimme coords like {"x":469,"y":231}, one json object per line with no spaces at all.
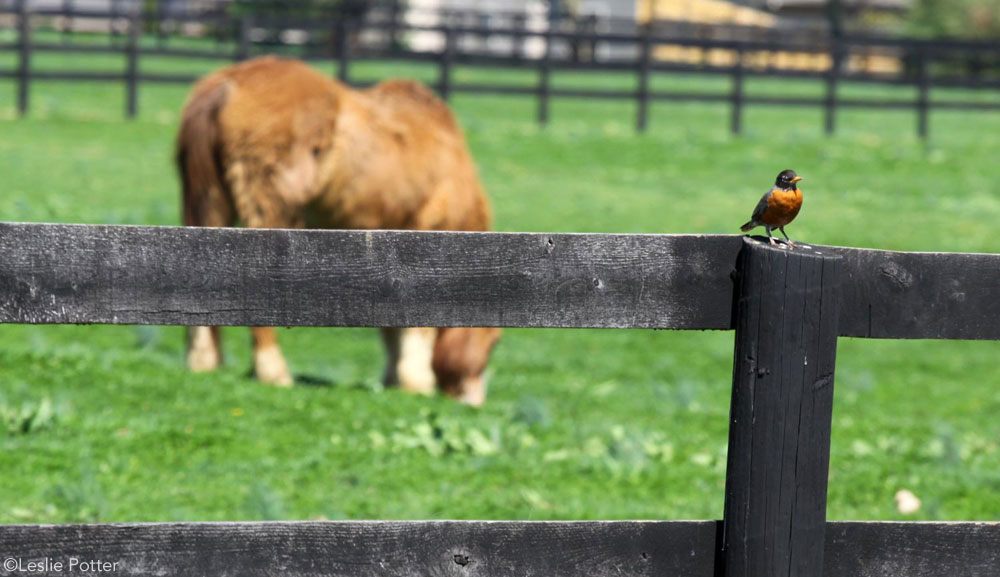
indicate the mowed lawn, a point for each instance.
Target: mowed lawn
{"x":104,"y":424}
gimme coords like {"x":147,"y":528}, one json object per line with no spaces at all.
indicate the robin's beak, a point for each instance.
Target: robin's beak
{"x":796,"y":178}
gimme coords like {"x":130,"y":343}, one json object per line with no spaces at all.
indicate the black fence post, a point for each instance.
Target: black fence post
{"x":544,"y":72}
{"x":517,"y":38}
{"x":786,"y":315}
{"x":343,"y":48}
{"x":132,"y":65}
{"x":923,"y":96}
{"x":736,"y":99}
{"x":24,"y":57}
{"x":642,"y":95}
{"x":394,"y":14}
{"x":161,"y":24}
{"x":592,"y":29}
{"x":113,"y":21}
{"x":244,"y":42}
{"x":66,"y":9}
{"x":836,"y":61}
{"x":444,"y":71}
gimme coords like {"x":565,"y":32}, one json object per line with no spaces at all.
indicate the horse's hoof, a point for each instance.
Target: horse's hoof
{"x":203,"y":354}
{"x":416,"y":378}
{"x":270,"y":368}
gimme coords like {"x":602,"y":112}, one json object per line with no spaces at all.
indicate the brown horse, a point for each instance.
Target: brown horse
{"x":273,"y":143}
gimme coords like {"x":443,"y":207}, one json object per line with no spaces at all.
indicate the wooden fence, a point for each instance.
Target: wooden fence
{"x":925,"y":64}
{"x":786,"y":308}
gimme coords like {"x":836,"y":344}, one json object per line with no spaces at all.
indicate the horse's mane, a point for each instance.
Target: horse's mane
{"x":405,"y":95}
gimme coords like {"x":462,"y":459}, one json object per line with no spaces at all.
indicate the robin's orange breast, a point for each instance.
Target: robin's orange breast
{"x":782,"y":207}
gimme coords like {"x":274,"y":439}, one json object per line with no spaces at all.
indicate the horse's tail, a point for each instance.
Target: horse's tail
{"x":206,"y":200}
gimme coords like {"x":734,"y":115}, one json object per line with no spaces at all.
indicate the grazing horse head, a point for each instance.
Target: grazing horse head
{"x":460,"y":357}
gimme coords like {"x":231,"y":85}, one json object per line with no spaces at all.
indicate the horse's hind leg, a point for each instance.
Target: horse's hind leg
{"x":204,"y":350}
{"x":268,"y":363}
{"x":410,"y":352}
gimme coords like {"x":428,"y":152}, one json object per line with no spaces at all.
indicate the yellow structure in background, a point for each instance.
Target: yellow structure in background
{"x":720,"y":12}
{"x":703,"y":12}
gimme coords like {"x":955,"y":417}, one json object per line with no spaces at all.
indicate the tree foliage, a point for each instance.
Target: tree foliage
{"x":962,"y":18}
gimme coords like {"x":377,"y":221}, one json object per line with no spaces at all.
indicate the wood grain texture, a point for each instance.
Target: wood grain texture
{"x":201,"y":276}
{"x":887,"y":549}
{"x":920,"y":295}
{"x":782,"y":406}
{"x":377,"y":549}
{"x":474,"y":548}
{"x":54,"y":273}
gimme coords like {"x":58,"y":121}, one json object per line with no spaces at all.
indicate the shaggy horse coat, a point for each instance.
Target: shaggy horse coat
{"x":272,"y":143}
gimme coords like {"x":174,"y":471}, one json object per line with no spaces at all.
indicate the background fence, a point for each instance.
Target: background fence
{"x":786,"y":307}
{"x":541,"y":43}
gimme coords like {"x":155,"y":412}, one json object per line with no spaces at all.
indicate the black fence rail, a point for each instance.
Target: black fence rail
{"x":787,"y":309}
{"x":480,"y":549}
{"x":559,"y":44}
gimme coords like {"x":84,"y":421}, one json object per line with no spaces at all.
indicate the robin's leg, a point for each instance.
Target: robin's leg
{"x":788,"y":241}
{"x":769,"y":237}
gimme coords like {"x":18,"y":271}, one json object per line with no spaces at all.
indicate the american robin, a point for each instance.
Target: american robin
{"x":778,"y":207}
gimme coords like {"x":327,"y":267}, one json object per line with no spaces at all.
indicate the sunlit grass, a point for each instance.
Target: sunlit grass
{"x":104,"y":423}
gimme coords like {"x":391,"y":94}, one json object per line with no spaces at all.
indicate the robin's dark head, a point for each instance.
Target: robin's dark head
{"x":787,"y":179}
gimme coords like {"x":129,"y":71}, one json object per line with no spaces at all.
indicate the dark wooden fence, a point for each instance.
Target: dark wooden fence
{"x":786,"y":307}
{"x":925,"y":64}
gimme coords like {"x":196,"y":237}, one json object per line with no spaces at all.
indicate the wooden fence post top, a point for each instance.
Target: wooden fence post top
{"x":800,"y":249}
{"x":786,"y":314}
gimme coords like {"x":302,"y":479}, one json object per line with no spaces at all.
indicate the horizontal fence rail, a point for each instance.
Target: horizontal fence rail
{"x":786,"y":306}
{"x":59,"y":273}
{"x":136,"y":33}
{"x":482,"y":549}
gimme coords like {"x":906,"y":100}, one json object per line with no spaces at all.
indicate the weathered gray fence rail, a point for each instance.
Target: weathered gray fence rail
{"x":485,"y":549}
{"x":58,"y":273}
{"x":787,"y":308}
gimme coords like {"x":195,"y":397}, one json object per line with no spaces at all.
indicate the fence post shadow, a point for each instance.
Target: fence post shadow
{"x":642,"y":94}
{"x":544,"y":72}
{"x":244,"y":41}
{"x":135,"y":22}
{"x":736,"y":96}
{"x":24,"y":57}
{"x":836,"y":62}
{"x":786,"y":310}
{"x":923,"y":92}
{"x":343,"y":28}
{"x":444,"y":65}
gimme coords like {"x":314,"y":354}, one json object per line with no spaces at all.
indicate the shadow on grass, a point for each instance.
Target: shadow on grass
{"x":316,"y":381}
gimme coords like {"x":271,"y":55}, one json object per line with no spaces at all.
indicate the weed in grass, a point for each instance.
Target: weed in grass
{"x":28,"y":417}
{"x":264,"y":503}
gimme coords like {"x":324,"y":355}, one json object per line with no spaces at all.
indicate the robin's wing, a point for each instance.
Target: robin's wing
{"x":761,"y":206}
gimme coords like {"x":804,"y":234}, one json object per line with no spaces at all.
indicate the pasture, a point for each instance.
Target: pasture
{"x":104,"y":423}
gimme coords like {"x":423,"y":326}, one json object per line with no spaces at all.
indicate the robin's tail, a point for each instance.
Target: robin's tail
{"x":748,"y":226}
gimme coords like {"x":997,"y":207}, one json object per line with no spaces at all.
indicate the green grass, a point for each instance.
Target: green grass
{"x":104,"y":424}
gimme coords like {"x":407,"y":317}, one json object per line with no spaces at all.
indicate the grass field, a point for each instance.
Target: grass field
{"x":104,"y":424}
